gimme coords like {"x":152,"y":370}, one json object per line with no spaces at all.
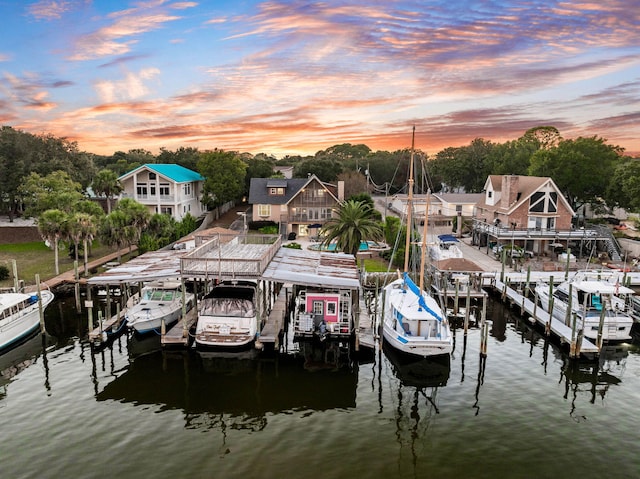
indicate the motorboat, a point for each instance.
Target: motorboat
{"x":20,"y":315}
{"x":446,"y":247}
{"x":228,"y":317}
{"x":592,"y":300}
{"x":158,"y":302}
{"x":413,"y":322}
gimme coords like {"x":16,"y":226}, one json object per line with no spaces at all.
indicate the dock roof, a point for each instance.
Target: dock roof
{"x":313,"y":268}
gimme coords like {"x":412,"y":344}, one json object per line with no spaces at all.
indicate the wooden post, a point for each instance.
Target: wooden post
{"x":467,"y":310}
{"x":572,"y":348}
{"x":76,"y":286}
{"x":455,"y":301}
{"x":567,"y":318}
{"x":527,"y":290}
{"x":184,"y":310}
{"x":600,"y":327}
{"x":89,"y":306}
{"x":14,"y":267}
{"x":550,"y":304}
{"x":504,"y":260}
{"x":163,"y":328}
{"x":566,"y":272}
{"x":40,"y":308}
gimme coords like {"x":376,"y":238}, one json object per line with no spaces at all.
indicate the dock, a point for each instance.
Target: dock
{"x":274,"y":325}
{"x":178,"y":335}
{"x":535,"y":314}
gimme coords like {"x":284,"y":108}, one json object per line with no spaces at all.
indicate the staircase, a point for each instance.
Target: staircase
{"x":610,"y":243}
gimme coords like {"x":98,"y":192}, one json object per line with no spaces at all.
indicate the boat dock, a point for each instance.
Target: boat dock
{"x":273,"y":328}
{"x":178,"y":335}
{"x":535,"y":314}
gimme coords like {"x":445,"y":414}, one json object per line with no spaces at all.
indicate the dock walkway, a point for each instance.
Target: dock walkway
{"x":537,"y":314}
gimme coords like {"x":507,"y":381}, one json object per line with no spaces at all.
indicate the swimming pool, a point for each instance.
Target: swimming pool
{"x":364,"y":246}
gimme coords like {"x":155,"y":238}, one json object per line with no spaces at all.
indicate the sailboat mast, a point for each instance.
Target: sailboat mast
{"x":424,"y":240}
{"x":407,"y":246}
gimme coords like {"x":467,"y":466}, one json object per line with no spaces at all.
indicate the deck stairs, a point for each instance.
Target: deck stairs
{"x":610,"y":244}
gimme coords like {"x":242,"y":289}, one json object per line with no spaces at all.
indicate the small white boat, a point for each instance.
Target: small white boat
{"x":20,"y":315}
{"x":158,"y":302}
{"x":445,"y":248}
{"x":227,"y":317}
{"x":590,"y":299}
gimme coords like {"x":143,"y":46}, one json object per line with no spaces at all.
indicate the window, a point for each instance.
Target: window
{"x":141,"y":189}
{"x":164,"y":189}
{"x":264,"y":210}
{"x":318,"y":307}
{"x":276,"y":191}
{"x":152,"y":190}
{"x":186,"y":189}
{"x":332,"y":307}
{"x":152,"y":176}
{"x":459,"y":208}
{"x":166,"y":210}
{"x":544,"y":202}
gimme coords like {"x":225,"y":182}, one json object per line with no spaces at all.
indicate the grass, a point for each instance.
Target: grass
{"x":376,"y":265}
{"x":36,"y":258}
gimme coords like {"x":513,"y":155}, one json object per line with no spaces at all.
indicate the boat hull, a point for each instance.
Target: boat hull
{"x":412,"y":325}
{"x":17,"y":328}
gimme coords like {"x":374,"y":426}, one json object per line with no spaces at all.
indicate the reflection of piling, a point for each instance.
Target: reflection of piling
{"x":40,"y":308}
{"x":484,"y":335}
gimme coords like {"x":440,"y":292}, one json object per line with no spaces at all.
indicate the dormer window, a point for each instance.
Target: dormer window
{"x":276,"y":191}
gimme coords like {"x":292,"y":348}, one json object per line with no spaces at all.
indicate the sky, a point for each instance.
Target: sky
{"x":295,"y":77}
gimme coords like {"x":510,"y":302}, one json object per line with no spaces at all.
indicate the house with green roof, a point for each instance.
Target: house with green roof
{"x":165,"y":188}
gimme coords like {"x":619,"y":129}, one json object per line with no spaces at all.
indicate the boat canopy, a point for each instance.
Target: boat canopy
{"x":448,"y":239}
{"x":415,"y":290}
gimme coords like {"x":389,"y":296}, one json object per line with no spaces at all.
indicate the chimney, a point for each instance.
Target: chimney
{"x":509,"y":190}
{"x":341,"y":190}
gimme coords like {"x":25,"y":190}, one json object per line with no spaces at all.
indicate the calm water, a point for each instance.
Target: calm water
{"x":131,"y":412}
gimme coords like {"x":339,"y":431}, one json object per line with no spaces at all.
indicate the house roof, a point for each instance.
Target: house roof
{"x":259,"y":189}
{"x":176,"y":173}
{"x":459,"y":198}
{"x":527,"y":185}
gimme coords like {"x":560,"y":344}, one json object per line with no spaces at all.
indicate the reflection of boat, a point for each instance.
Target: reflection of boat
{"x":228,"y":317}
{"x":242,"y":392}
{"x":18,"y":358}
{"x":412,"y":319}
{"x":445,"y":248}
{"x":20,"y":315}
{"x":591,"y":299}
{"x":419,"y":372}
{"x":159,"y":301}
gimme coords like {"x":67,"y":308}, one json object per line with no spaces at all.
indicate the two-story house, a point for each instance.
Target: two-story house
{"x":165,"y":188}
{"x":298,"y":205}
{"x":528,"y":211}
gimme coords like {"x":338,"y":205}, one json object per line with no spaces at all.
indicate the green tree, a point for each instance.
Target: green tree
{"x":112,"y":230}
{"x":624,"y":187}
{"x":52,"y":226}
{"x":257,"y":167}
{"x":137,"y":219}
{"x":224,"y":174}
{"x":581,"y":168}
{"x":352,"y":225}
{"x":106,"y":183}
{"x":55,"y":191}
{"x":325,"y":169}
{"x":187,"y":157}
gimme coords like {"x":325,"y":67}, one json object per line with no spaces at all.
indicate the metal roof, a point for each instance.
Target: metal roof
{"x":312,"y":268}
{"x":154,"y":265}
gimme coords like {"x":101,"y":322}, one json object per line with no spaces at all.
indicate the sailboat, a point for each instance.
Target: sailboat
{"x":413,"y":322}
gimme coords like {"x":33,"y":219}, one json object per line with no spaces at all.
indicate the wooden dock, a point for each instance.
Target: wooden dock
{"x":366,"y":336}
{"x":537,"y":314}
{"x":178,"y":335}
{"x":274,"y":325}
{"x":110,"y":326}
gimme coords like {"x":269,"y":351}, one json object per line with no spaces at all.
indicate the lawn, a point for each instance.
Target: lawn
{"x":36,"y":258}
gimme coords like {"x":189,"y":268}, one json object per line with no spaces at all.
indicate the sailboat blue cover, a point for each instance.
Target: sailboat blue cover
{"x":414,"y":288}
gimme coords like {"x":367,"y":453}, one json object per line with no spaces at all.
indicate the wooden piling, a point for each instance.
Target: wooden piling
{"x":600,"y":327}
{"x":572,"y":347}
{"x":89,"y":305}
{"x":40,"y":308}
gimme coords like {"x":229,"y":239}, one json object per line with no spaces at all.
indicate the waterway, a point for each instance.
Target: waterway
{"x":132,"y":411}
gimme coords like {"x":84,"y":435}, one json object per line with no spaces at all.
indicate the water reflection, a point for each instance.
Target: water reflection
{"x":221,"y":392}
{"x":22,"y":356}
{"x":416,"y":396}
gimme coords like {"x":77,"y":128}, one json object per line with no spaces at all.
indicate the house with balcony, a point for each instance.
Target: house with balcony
{"x":165,"y":188}
{"x":531,"y":212}
{"x":298,"y":205}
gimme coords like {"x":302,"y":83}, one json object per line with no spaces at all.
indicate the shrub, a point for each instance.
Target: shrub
{"x":4,"y":272}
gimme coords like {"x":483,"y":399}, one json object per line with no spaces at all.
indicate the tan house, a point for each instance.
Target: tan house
{"x":165,"y":188}
{"x":298,"y":205}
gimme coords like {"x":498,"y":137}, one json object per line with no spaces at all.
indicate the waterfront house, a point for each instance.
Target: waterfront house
{"x":165,"y":188}
{"x":298,"y":205}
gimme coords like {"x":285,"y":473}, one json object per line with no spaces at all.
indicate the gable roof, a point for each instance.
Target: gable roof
{"x":259,"y":189}
{"x":527,"y":186}
{"x":171,"y":171}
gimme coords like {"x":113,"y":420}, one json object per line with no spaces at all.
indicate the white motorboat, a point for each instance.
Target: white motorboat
{"x":591,"y":300}
{"x":159,"y":302}
{"x":413,"y":322}
{"x":445,"y":248}
{"x":20,"y":315}
{"x":228,"y":317}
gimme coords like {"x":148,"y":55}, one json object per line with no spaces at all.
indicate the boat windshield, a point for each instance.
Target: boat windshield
{"x":231,"y":307}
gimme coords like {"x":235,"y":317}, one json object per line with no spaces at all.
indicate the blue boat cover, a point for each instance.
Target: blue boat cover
{"x":415,"y":290}
{"x":448,"y":239}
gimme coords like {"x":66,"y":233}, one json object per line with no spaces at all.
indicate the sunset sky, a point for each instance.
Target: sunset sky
{"x":295,"y":77}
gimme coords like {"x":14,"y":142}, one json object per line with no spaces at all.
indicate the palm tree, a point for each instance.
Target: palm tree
{"x":106,"y":183}
{"x":353,"y":224}
{"x":52,"y":228}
